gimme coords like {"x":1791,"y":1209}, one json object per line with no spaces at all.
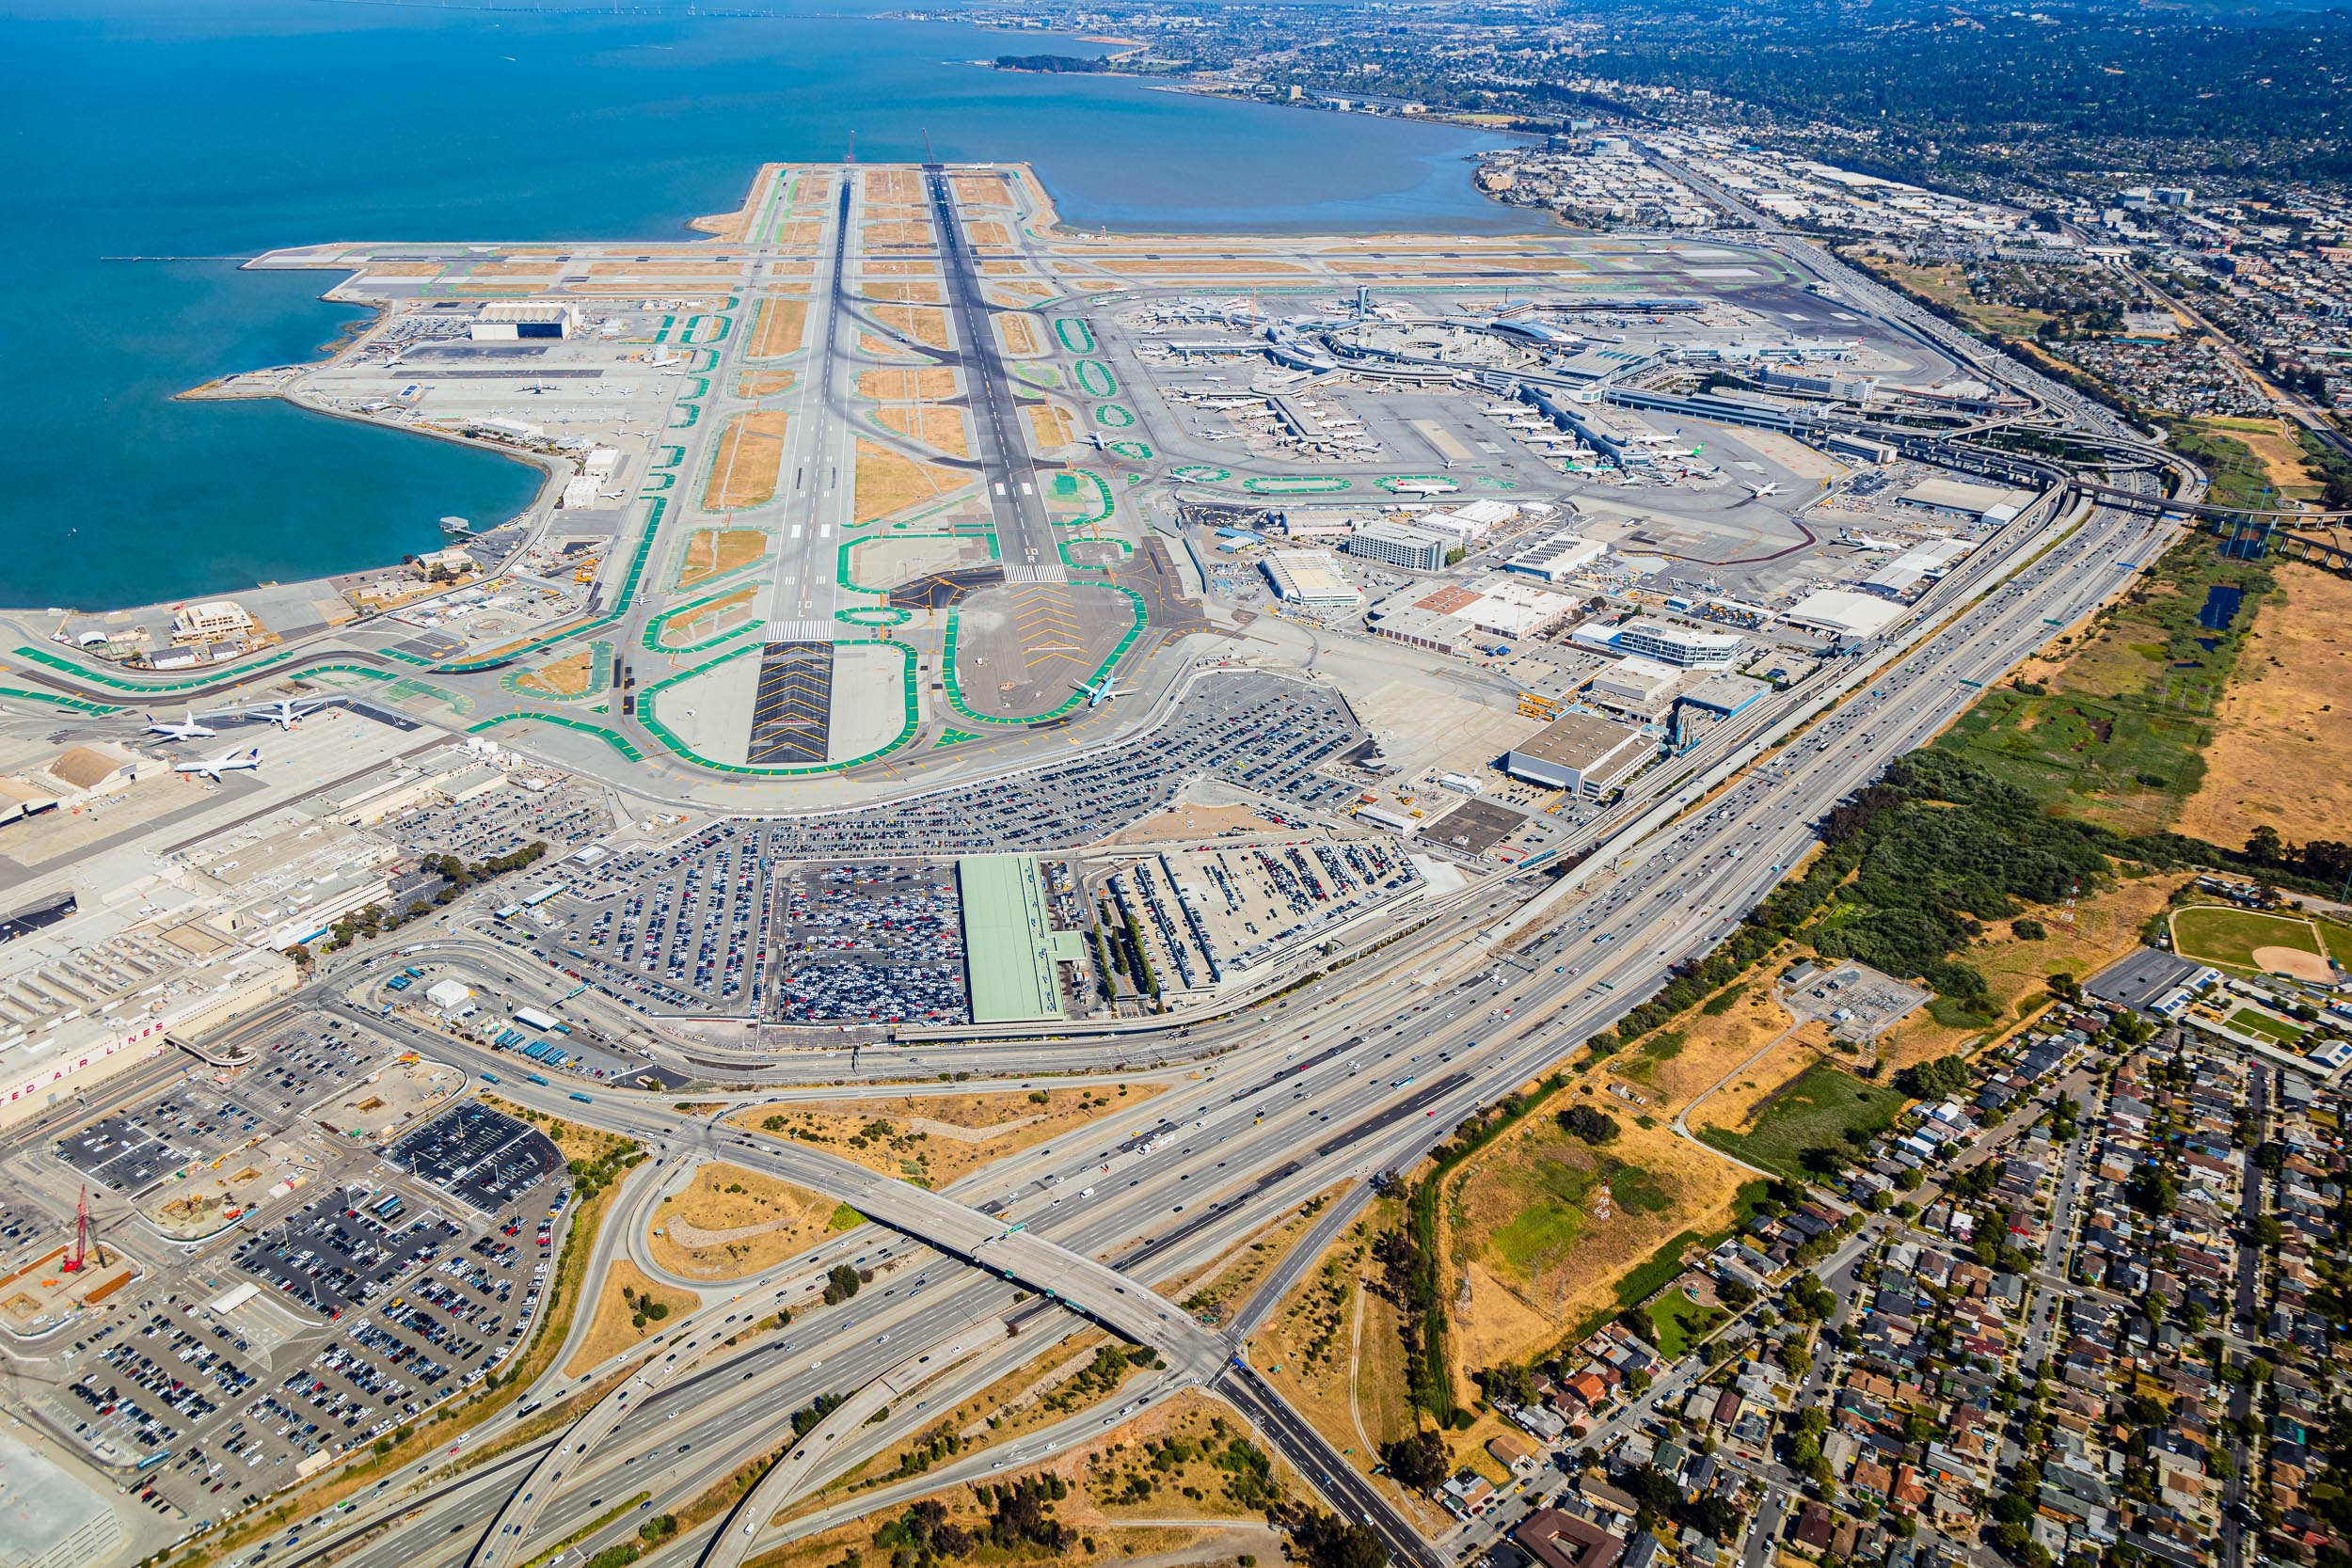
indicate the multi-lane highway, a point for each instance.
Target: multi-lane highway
{"x":1371,"y":1078}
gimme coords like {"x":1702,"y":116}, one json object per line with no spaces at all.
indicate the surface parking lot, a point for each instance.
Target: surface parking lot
{"x":683,"y":927}
{"x":484,"y":1159}
{"x":871,"y":943}
{"x":678,"y":927}
{"x":203,"y":1120}
{"x":560,"y":816}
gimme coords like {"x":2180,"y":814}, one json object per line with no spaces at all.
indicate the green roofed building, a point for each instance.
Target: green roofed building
{"x":1010,"y":948}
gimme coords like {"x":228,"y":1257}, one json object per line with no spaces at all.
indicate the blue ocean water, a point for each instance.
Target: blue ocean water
{"x":215,"y":129}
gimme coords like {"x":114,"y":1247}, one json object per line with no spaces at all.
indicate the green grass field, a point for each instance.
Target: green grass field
{"x":2221,"y":935}
{"x":1814,"y":1111}
{"x":2339,"y":941}
{"x":1680,"y":1320}
{"x":2248,"y":1022}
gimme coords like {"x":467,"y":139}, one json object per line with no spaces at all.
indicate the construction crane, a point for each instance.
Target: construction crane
{"x":85,"y":1238}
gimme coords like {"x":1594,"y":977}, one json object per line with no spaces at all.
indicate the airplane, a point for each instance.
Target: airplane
{"x":1758,"y":492}
{"x":285,"y":713}
{"x":1869,"y":541}
{"x":228,"y":762}
{"x":1102,"y":691}
{"x":186,"y":730}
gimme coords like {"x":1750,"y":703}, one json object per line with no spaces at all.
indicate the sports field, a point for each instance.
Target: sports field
{"x":2249,"y":940}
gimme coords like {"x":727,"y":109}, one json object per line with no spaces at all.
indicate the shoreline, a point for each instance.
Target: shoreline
{"x":723,"y":228}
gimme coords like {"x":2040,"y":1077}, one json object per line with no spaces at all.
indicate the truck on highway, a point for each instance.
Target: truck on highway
{"x":532,"y":1078}
{"x":582,"y":1097}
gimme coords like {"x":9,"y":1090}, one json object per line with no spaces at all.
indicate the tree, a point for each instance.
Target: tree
{"x":1420,"y":1461}
{"x":1593,"y":1125}
{"x":841,"y":1283}
{"x":2063,"y":985}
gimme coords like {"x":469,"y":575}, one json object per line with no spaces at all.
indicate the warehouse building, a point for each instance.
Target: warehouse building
{"x":1582,"y":753}
{"x":49,"y":1517}
{"x":508,"y":320}
{"x":1992,"y":504}
{"x":1908,"y":575}
{"x":1556,"y":556}
{"x":1840,"y":612}
{"x":1308,"y":577}
{"x":1640,"y":688}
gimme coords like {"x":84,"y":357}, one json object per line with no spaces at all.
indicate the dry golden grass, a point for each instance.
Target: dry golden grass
{"x":485,"y":271}
{"x":802,"y":235}
{"x":568,"y":676}
{"x":714,"y":551}
{"x":937,"y":1140}
{"x":934,"y":427}
{"x":750,"y":454}
{"x":779,"y":327}
{"x":762,"y":384}
{"x":893,"y":184}
{"x":979,"y":190}
{"x":2281,"y":748}
{"x":925,"y":326}
{"x":1668,"y":1076}
{"x":1049,"y":427}
{"x":2284,"y":463}
{"x":898,"y":234}
{"x":1222,"y":1289}
{"x":712,"y":619}
{"x":987,"y":235}
{"x":730,"y":1223}
{"x":1024,"y":292}
{"x":1019,"y":333}
{"x":1333,"y":1350}
{"x":664,"y":269}
{"x":887,"y":267}
{"x":404,"y":269}
{"x":911,"y":384}
{"x":1203,"y":267}
{"x":1002,"y":268}
{"x":913,"y":294}
{"x":811,"y":190}
{"x":1533,"y":1273}
{"x":615,"y":1327}
{"x":1129,"y":1509}
{"x":888,"y":483}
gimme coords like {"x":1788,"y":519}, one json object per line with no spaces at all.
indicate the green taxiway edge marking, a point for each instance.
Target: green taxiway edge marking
{"x":1083,"y":342}
{"x":1095,"y":376}
{"x":648,"y":699}
{"x":79,"y":704}
{"x":955,"y":688}
{"x":84,"y":672}
{"x":599,"y":656}
{"x":1135,"y":450}
{"x":1297,"y":485}
{"x":1063,"y":544}
{"x":1104,"y":505}
{"x":952,"y":737}
{"x":1114,"y":415}
{"x":613,"y":738}
{"x":1200,"y":473}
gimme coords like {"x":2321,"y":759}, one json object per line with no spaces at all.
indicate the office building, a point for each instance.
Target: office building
{"x":1399,"y":544}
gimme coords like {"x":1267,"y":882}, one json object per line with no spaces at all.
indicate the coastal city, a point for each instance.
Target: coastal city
{"x":1620,"y":848}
